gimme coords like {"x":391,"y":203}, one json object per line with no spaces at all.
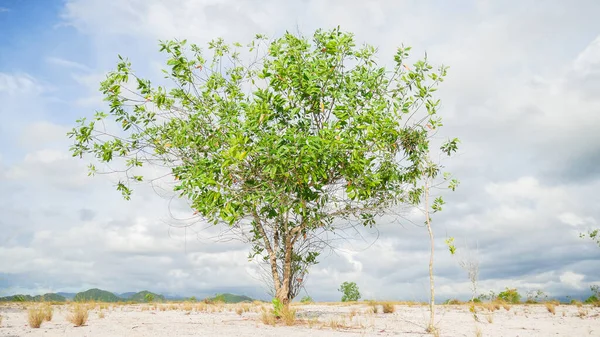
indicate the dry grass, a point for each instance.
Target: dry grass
{"x":311,"y":322}
{"x":434,"y":331}
{"x":288,"y":316}
{"x":48,"y":312}
{"x":582,"y":312}
{"x":352,"y":313}
{"x":375,"y":306}
{"x":267,"y":317}
{"x":187,"y":306}
{"x":36,"y":316}
{"x":489,"y":317}
{"x":388,"y":308}
{"x":478,"y":332}
{"x":551,"y":307}
{"x":1,"y":320}
{"x":79,"y":315}
{"x":101,"y":314}
{"x":239,"y":311}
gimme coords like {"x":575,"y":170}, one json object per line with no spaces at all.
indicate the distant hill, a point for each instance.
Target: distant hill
{"x":96,"y":295}
{"x":50,"y":297}
{"x":126,"y":295}
{"x":141,"y":297}
{"x":231,"y":298}
{"x":17,"y":298}
{"x":68,"y":296}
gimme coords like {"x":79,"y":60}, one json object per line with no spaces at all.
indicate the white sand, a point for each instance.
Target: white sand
{"x":130,"y":320}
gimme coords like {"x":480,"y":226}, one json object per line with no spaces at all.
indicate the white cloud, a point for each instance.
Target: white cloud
{"x":572,"y":279}
{"x":66,"y":63}
{"x":520,"y":94}
{"x":20,"y":84}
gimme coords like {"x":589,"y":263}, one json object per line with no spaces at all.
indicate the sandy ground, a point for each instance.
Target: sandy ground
{"x":315,"y":320}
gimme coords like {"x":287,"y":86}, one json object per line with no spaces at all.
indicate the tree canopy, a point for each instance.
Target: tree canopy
{"x":280,"y":140}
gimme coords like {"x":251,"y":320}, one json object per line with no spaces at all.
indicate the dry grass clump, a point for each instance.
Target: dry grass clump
{"x":1,"y":320}
{"x":374,"y":306}
{"x":489,"y":317}
{"x":187,"y":306}
{"x":288,"y":316}
{"x":352,"y":313}
{"x":101,"y":314}
{"x":582,"y":312}
{"x":478,"y":332}
{"x":388,"y":308}
{"x":267,"y":317}
{"x":311,"y":322}
{"x":551,"y":307}
{"x":79,"y":315}
{"x":434,"y":331}
{"x":36,"y":316}
{"x":239,"y":311}
{"x":48,"y":312}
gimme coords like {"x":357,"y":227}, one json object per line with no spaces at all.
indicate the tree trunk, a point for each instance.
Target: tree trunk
{"x":283,"y":294}
{"x":431,"y":326}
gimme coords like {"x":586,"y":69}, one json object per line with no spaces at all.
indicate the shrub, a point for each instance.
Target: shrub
{"x":510,"y":296}
{"x":277,"y":308}
{"x":79,"y":315}
{"x":350,"y":291}
{"x":388,"y":308}
{"x":35,"y":316}
{"x":453,"y":301}
{"x":591,"y":300}
{"x":306,"y":300}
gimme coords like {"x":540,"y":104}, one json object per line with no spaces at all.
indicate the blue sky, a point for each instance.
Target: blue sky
{"x":521,"y":94}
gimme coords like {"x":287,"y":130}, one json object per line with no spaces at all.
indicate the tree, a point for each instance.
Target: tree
{"x":149,"y":297}
{"x":307,"y":137}
{"x":350,"y":292}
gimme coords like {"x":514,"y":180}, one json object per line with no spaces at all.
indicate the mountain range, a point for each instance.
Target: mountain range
{"x":100,"y":295}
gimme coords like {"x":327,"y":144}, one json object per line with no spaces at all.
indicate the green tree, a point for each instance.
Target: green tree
{"x":350,"y":292}
{"x":307,"y":137}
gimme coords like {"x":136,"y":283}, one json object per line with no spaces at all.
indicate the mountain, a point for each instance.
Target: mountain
{"x":50,"y":297}
{"x":17,"y":298}
{"x":231,"y":298}
{"x":142,"y":297}
{"x":68,"y":296}
{"x":96,"y":295}
{"x":126,"y":295}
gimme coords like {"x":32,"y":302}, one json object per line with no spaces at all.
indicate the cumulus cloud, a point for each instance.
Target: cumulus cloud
{"x":520,"y":95}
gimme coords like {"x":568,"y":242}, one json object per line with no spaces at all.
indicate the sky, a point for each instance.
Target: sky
{"x":521,"y":94}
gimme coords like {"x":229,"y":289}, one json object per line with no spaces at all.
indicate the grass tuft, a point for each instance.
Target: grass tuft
{"x":35,"y":317}
{"x":267,"y":317}
{"x":79,"y":315}
{"x":551,"y":307}
{"x":288,"y":316}
{"x":388,"y":308}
